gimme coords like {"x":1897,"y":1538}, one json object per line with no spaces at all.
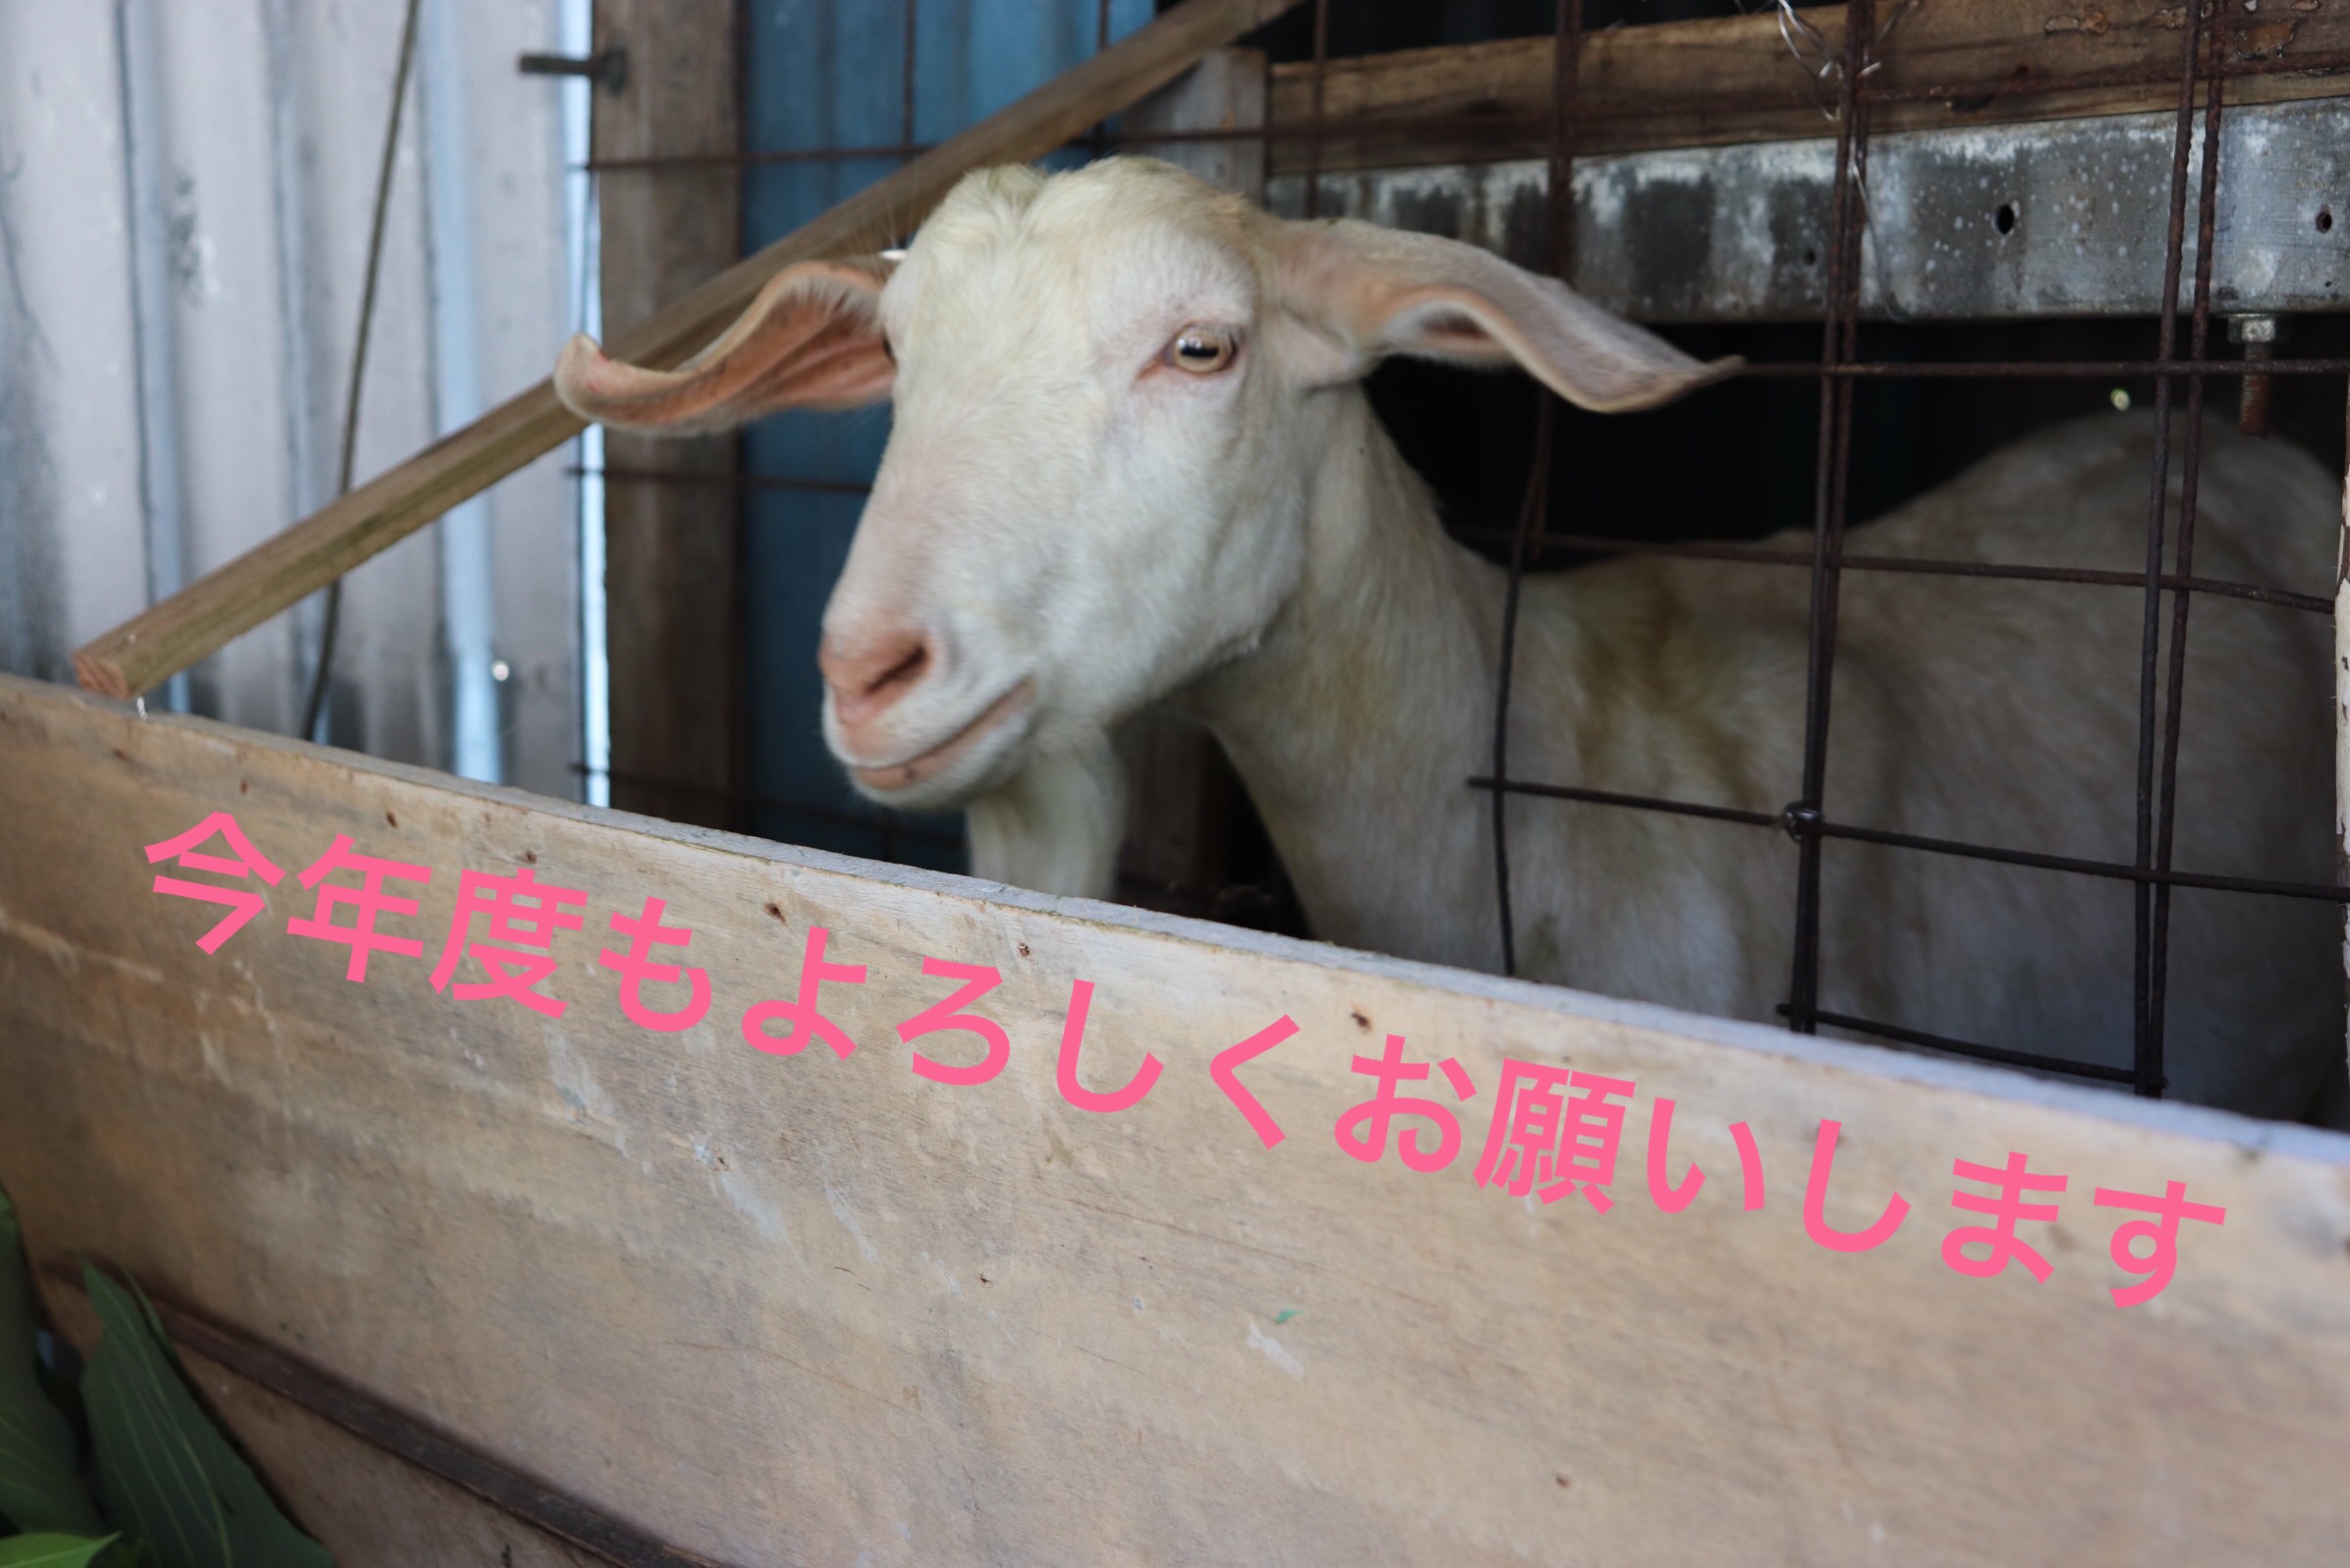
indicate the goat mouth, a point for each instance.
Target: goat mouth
{"x":921,"y":769}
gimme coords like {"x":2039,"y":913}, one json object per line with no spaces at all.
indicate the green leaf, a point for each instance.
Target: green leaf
{"x":40,"y":1486}
{"x":167,"y":1471}
{"x":52,"y":1550}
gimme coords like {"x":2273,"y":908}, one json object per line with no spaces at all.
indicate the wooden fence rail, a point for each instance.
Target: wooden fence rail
{"x":799,"y":1307}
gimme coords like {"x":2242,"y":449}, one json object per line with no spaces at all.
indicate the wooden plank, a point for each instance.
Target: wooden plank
{"x":1646,"y":84}
{"x":673,"y":551}
{"x":804,"y":1307}
{"x":176,"y":632}
{"x":368,"y":1508}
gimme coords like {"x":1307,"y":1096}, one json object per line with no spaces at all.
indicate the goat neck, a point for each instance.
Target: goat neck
{"x":1368,"y":704}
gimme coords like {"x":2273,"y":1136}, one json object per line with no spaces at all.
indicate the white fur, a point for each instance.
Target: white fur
{"x":1054,"y":825}
{"x":1057,"y":508}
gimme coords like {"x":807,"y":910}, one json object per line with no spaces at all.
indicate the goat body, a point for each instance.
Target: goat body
{"x":1988,"y":712}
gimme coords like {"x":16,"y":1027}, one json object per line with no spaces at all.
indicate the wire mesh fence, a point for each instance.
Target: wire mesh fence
{"x":1847,"y":74}
{"x":2202,"y":72}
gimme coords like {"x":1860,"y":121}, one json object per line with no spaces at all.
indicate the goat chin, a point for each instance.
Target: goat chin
{"x":1055,"y":826}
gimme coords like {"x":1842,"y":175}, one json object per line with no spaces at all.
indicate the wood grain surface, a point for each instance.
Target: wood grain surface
{"x":812,"y":1309}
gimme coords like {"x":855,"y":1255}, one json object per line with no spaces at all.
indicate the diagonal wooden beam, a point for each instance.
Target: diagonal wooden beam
{"x":174,"y":633}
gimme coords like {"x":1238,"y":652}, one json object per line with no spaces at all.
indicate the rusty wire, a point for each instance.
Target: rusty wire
{"x":1558,"y":234}
{"x":1316,"y":127}
{"x":2151,"y":931}
{"x":2036,"y":860}
{"x":2150,"y":1064}
{"x":906,"y":143}
{"x":313,"y":705}
{"x":1766,"y":555}
{"x":1838,"y":343}
{"x":1101,"y":139}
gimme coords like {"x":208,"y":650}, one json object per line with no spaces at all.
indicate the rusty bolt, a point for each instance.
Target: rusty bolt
{"x":2259,"y":335}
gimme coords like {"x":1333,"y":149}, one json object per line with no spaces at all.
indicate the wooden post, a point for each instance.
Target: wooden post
{"x":170,"y":636}
{"x":1182,"y":796}
{"x":672,"y":546}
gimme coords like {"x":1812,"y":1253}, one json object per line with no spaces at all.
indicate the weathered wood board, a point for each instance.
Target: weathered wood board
{"x":1719,"y":80}
{"x":812,"y":1309}
{"x":368,"y":1508}
{"x":672,"y":550}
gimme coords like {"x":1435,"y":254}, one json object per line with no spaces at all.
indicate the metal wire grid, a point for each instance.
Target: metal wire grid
{"x":2204,"y":70}
{"x":2203,"y":66}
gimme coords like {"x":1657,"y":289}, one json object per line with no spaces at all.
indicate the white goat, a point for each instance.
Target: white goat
{"x":1131,"y":461}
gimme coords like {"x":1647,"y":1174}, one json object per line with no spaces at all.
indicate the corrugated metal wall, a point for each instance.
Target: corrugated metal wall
{"x":831,"y":74}
{"x":233,"y":146}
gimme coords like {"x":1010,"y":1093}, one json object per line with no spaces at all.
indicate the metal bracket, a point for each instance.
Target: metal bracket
{"x":609,"y":68}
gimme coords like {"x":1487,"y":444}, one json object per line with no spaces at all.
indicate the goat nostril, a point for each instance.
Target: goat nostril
{"x":905,"y":672}
{"x":867,"y":679}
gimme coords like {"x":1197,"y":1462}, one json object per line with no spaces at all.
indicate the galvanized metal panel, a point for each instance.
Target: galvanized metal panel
{"x":2059,"y":219}
{"x":73,"y":549}
{"x":264,"y":121}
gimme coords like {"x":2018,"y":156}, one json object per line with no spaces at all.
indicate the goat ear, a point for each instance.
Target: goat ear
{"x":1364,"y":291}
{"x":810,"y":340}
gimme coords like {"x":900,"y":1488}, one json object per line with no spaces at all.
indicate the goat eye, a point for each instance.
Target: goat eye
{"x":1202,"y":351}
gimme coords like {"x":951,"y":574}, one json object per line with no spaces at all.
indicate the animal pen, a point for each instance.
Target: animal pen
{"x":475,"y":1281}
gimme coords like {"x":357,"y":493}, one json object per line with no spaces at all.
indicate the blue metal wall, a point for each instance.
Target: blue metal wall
{"x":831,"y":74}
